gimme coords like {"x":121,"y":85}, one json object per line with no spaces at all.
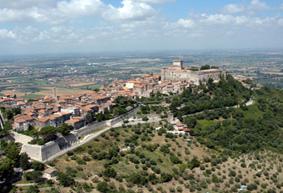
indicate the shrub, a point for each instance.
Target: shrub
{"x":109,"y":172}
{"x":37,"y":166}
{"x":65,"y":180}
{"x":194,"y":163}
{"x":103,"y":187}
{"x":165,"y":177}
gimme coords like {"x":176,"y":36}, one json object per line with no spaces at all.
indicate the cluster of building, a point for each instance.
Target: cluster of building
{"x":73,"y":110}
{"x":55,"y":110}
{"x":172,"y":79}
{"x":178,"y":128}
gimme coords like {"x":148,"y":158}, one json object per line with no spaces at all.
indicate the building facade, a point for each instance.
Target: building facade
{"x":177,"y":72}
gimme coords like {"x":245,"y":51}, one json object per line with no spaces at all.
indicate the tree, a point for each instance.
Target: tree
{"x":24,"y":161}
{"x":6,"y":168}
{"x":165,"y":149}
{"x":251,"y":187}
{"x":194,"y":163}
{"x":33,"y":189}
{"x":48,"y":133}
{"x":65,"y":180}
{"x":65,"y":129}
{"x":7,"y":126}
{"x":37,"y":166}
{"x":12,"y":151}
{"x":138,"y":178}
{"x":165,"y":177}
{"x":110,"y":172}
{"x":174,"y":159}
{"x":9,"y":114}
{"x":48,"y":130}
{"x":35,"y":176}
{"x":89,"y":117}
{"x":145,"y":118}
{"x":190,"y":121}
{"x":16,"y":111}
{"x":205,"y":67}
{"x":103,"y":187}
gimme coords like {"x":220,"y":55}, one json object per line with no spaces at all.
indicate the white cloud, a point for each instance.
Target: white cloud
{"x":9,"y":15}
{"x":64,"y":10}
{"x":4,"y":34}
{"x":23,"y":4}
{"x":155,"y":1}
{"x":75,"y":8}
{"x":258,"y":5}
{"x":227,"y":20}
{"x":280,"y":21}
{"x":62,"y":23}
{"x":233,"y":8}
{"x":253,"y":6}
{"x":186,"y":23}
{"x":58,"y":12}
{"x":223,"y":19}
{"x":130,"y":10}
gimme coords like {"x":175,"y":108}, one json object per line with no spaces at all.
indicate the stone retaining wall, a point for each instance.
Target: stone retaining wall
{"x":20,"y":138}
{"x":44,"y":152}
{"x":41,"y":152}
{"x":109,"y":123}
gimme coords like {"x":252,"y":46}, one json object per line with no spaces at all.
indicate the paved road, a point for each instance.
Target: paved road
{"x":83,"y":141}
{"x":25,"y":185}
{"x":248,"y":103}
{"x":96,"y":134}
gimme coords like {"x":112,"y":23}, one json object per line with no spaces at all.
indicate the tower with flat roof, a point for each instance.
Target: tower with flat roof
{"x":178,"y":63}
{"x":54,"y":92}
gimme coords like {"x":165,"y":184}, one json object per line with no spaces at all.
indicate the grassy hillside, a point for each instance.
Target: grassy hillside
{"x":158,"y":162}
{"x":255,"y":127}
{"x":232,"y":146}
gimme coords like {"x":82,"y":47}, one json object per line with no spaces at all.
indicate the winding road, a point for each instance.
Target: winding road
{"x":248,"y":103}
{"x":95,"y":134}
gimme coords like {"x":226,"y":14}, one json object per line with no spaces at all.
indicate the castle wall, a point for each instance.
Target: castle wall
{"x":40,"y":152}
{"x":90,"y":128}
{"x":50,"y":149}
{"x":177,"y":75}
{"x":20,"y":138}
{"x":33,"y":151}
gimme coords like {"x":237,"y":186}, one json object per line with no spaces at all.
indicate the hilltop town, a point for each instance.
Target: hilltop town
{"x":164,"y":129}
{"x":55,"y":110}
{"x":141,"y":96}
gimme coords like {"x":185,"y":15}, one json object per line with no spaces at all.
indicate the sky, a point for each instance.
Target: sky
{"x":78,"y":26}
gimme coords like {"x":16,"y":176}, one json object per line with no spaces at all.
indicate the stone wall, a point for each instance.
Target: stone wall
{"x":33,"y":151}
{"x":41,"y":152}
{"x":90,"y":128}
{"x":109,"y":123}
{"x":20,"y":138}
{"x":177,"y":75}
{"x":1,"y":120}
{"x":49,"y":149}
{"x":45,"y":152}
